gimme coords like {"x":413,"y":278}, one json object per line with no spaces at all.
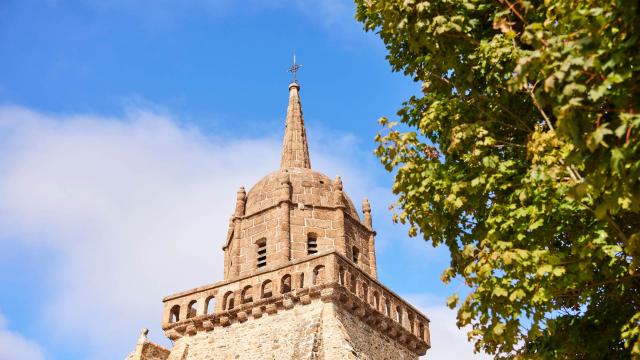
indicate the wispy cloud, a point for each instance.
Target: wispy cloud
{"x":14,"y":346}
{"x":448,"y":342}
{"x":134,"y":208}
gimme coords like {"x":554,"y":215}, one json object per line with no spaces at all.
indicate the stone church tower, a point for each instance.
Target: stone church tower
{"x":300,"y":277}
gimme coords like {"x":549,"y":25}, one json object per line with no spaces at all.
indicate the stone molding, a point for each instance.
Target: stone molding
{"x":338,"y":281}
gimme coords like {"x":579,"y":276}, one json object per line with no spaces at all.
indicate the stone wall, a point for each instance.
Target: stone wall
{"x":326,"y":277}
{"x":276,"y":336}
{"x":147,"y":350}
{"x":346,"y":336}
{"x":283,"y":210}
{"x":316,"y":331}
{"x":358,"y":236}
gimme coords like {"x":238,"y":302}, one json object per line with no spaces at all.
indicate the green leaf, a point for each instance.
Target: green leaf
{"x":544,"y":269}
{"x":520,"y":153}
{"x":498,"y":292}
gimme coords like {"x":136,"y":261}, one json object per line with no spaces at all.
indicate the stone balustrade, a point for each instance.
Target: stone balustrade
{"x":327,"y":277}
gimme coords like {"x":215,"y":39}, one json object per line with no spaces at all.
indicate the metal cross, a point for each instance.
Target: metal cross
{"x":294,"y":69}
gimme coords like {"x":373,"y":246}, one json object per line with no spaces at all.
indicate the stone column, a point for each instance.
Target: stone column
{"x":341,"y":241}
{"x":227,"y":250}
{"x":142,"y":339}
{"x":284,"y":219}
{"x":241,"y":198}
{"x":226,"y":263}
{"x":366,"y":211}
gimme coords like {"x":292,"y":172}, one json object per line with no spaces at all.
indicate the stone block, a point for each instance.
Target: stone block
{"x":207,"y":325}
{"x":271,"y":309}
{"x":172,"y":335}
{"x":287,"y":303}
{"x":191,"y":329}
{"x":256,"y":312}
{"x":305,"y":299}
{"x":225,"y":321}
{"x":242,"y":316}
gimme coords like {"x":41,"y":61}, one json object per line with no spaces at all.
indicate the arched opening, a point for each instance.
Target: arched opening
{"x":318,"y":275}
{"x":411,"y":319}
{"x":227,"y":301}
{"x":352,"y":283}
{"x":341,"y":276}
{"x":174,"y":314}
{"x":365,"y":292}
{"x":301,"y":281}
{"x":399,"y":314}
{"x":285,"y":284}
{"x":247,"y":294}
{"x":210,"y":305}
{"x":422,"y":335}
{"x":376,"y":300}
{"x":261,"y":253}
{"x":355,"y":253}
{"x":192,"y":310}
{"x":387,"y":308}
{"x":267,"y":289}
{"x":312,"y":244}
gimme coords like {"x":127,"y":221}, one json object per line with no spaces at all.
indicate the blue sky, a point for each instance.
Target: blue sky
{"x":126,"y":126}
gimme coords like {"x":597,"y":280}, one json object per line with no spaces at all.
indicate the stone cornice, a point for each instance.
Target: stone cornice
{"x":332,"y":292}
{"x":343,"y":284}
{"x":241,"y":278}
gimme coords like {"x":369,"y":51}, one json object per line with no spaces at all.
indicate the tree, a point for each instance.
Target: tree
{"x":522,"y":156}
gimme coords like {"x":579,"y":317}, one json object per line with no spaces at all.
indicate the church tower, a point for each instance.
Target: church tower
{"x":300,"y":277}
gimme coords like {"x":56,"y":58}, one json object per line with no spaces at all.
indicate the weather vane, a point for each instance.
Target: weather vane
{"x":294,"y":69}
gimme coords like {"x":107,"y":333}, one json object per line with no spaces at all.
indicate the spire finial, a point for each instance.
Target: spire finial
{"x":295,"y":150}
{"x":294,"y":69}
{"x":143,"y":335}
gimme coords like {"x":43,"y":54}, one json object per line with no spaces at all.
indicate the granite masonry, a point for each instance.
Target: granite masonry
{"x":300,"y":277}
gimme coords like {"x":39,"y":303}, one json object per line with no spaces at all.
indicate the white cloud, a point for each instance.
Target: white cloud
{"x":14,"y":346}
{"x":447,"y":341}
{"x":134,"y":208}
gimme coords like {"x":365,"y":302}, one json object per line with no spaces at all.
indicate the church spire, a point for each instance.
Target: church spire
{"x":295,"y":151}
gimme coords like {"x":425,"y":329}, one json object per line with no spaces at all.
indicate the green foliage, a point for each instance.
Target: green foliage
{"x":522,"y":156}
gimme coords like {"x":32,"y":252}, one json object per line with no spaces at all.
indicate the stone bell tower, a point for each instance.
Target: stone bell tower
{"x":300,"y":279}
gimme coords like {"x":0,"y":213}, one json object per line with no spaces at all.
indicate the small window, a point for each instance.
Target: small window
{"x":174,"y":314}
{"x":301,"y":281}
{"x":352,"y":283}
{"x":421,"y":330}
{"x":210,"y":305}
{"x":192,"y":310}
{"x":376,"y":300}
{"x":318,"y":275}
{"x":356,"y":254}
{"x":312,"y":244}
{"x":262,"y":253}
{"x":399,"y":314}
{"x":387,"y":308}
{"x":227,"y":301}
{"x":247,"y":294}
{"x":285,"y":284}
{"x":365,"y":292}
{"x":267,"y":290}
{"x":411,"y":323}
